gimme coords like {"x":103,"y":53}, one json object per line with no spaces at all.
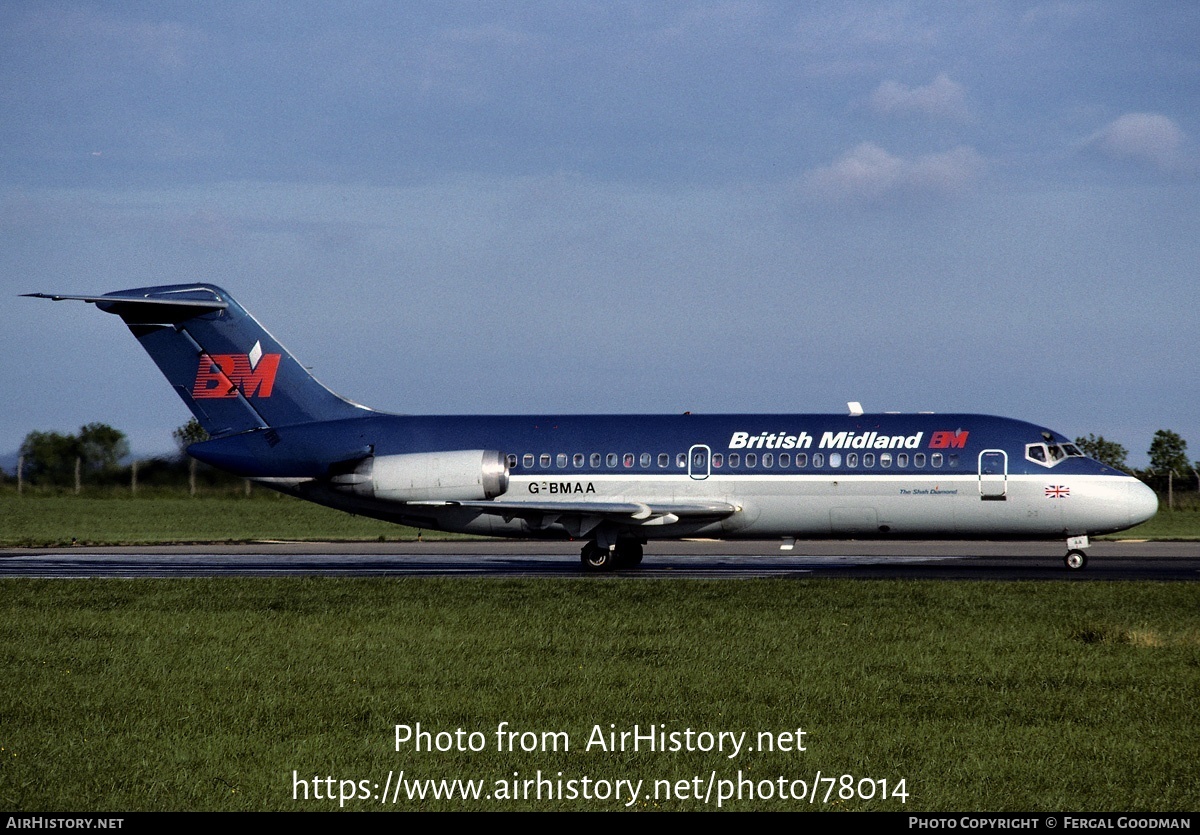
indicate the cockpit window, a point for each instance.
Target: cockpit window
{"x":1050,"y":454}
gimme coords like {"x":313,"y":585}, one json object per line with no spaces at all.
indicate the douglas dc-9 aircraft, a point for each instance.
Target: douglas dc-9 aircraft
{"x":618,"y":481}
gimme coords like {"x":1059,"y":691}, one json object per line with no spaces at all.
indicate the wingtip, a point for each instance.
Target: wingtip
{"x":54,"y":297}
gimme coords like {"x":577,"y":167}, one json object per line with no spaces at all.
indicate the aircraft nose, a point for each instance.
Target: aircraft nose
{"x":1142,"y":502}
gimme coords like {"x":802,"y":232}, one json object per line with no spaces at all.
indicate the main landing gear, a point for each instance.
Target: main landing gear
{"x":626,"y":553}
{"x":1076,"y":559}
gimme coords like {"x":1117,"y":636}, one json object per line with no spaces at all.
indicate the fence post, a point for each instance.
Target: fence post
{"x":78,"y":474}
{"x":133,"y":478}
{"x":192,"y":477}
{"x":20,"y":474}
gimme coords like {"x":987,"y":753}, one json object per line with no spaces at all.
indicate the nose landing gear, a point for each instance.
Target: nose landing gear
{"x":1076,"y":559}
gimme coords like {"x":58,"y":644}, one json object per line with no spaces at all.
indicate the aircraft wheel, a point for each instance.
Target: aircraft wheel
{"x":595,"y":558}
{"x":629,"y":554}
{"x":1075,"y":560}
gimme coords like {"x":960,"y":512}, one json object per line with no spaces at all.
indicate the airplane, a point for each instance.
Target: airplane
{"x":616,"y":482}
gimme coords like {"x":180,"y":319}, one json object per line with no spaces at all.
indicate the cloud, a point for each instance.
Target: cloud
{"x":1145,"y":137}
{"x":103,"y":41}
{"x":868,"y":173}
{"x":941,"y":98}
{"x":1061,"y":13}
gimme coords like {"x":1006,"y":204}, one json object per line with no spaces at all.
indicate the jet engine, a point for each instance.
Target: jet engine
{"x":458,"y":475}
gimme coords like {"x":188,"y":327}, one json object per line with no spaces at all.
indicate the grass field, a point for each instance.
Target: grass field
{"x":210,"y":693}
{"x":1168,"y":524}
{"x":263,"y":694}
{"x":116,"y":518}
{"x":119,"y":519}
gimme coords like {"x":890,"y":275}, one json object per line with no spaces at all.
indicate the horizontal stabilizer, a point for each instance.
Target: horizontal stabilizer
{"x":142,"y":308}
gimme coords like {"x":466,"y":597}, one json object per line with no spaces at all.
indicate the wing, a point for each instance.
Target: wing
{"x":580,"y":518}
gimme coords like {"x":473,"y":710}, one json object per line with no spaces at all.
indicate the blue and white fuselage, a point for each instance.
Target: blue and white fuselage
{"x":618,"y":481}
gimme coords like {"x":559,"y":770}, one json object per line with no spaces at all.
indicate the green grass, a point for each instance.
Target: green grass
{"x":113,"y":517}
{"x":1167,"y":524}
{"x":119,"y":519}
{"x":208,"y":693}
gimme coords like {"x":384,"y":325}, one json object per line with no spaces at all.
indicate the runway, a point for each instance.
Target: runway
{"x":922,"y":560}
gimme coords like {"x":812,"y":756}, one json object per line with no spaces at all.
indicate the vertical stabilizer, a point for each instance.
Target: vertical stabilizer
{"x":231,"y":373}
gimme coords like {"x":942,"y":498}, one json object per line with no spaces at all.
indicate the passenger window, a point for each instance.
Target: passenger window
{"x":717,"y":460}
{"x":512,"y":460}
{"x":663,"y":459}
{"x":802,"y":460}
{"x":577,"y":460}
{"x":611,"y":459}
{"x":852,"y":459}
{"x":594,"y":460}
{"x":835,"y":459}
{"x":818,"y":459}
{"x":561,"y":460}
{"x":952,"y":459}
{"x":869,"y":459}
{"x":919,"y":459}
{"x":885,"y":459}
{"x":644,"y":461}
{"x":751,"y":459}
{"x":785,"y":460}
{"x":768,"y":459}
{"x":902,"y":459}
{"x":544,"y":459}
{"x":734,"y":459}
{"x":628,"y":459}
{"x":527,"y":461}
{"x":936,"y":459}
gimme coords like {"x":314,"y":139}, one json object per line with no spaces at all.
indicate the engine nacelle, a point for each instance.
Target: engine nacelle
{"x":457,"y":475}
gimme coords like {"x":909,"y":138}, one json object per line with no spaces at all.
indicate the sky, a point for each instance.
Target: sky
{"x":575,"y":207}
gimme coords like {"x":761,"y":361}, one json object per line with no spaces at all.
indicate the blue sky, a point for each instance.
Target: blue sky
{"x":611,"y":207}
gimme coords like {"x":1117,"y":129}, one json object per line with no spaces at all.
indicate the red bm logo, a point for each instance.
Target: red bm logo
{"x":224,"y":375}
{"x":948,"y":440}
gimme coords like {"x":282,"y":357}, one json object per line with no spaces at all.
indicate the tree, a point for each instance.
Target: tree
{"x":1106,"y":452}
{"x":50,"y":457}
{"x":1168,"y":453}
{"x":102,"y":447}
{"x":190,"y":433}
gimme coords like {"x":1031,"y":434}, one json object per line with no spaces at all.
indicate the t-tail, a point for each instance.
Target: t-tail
{"x":228,"y":369}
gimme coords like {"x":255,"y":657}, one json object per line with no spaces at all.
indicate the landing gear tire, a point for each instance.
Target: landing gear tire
{"x":595,"y":558}
{"x":629,"y":554}
{"x":1075,"y":560}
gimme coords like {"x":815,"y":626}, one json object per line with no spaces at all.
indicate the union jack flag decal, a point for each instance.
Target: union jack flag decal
{"x":1057,"y":491}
